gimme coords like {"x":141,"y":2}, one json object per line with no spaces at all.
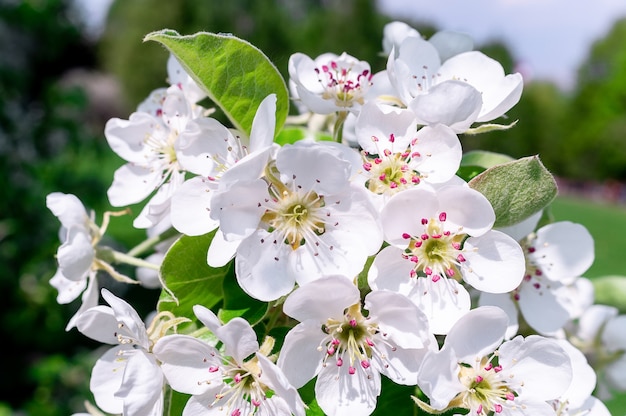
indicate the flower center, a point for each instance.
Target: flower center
{"x":296,"y":216}
{"x":486,"y":390}
{"x":437,"y":252}
{"x":351,"y":341}
{"x":342,"y":83}
{"x":533,"y":275}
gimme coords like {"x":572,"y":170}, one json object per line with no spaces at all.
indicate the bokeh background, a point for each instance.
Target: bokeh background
{"x":65,"y":70}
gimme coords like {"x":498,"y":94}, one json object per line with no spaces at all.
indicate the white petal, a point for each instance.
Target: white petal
{"x":207,"y":317}
{"x":142,"y":386}
{"x":204,"y":146}
{"x":341,"y":394}
{"x":583,"y":377}
{"x":299,"y":358}
{"x":190,"y":207}
{"x":440,"y":151}
{"x":68,"y":289}
{"x":390,"y":271}
{"x":443,"y":302}
{"x":106,"y":380}
{"x":127,"y":315}
{"x":399,"y":364}
{"x":221,"y":251}
{"x":314,"y":167}
{"x":76,"y":254}
{"x":240,"y":208}
{"x":397,"y":316}
{"x":466,"y":208}
{"x":438,"y":377}
{"x":478,"y":333}
{"x":541,"y":308}
{"x":272,"y":376}
{"x":99,"y":323}
{"x":616,"y":374}
{"x":89,"y":300}
{"x":563,"y":249}
{"x":132,"y":184}
{"x":67,"y":208}
{"x":185,"y":361}
{"x":455,"y":104}
{"x":529,"y":360}
{"x":263,"y":269}
{"x":263,"y":125}
{"x":495,"y":262}
{"x":239,"y":339}
{"x":504,"y":302}
{"x":177,"y":76}
{"x":591,"y":322}
{"x":374,"y":128}
{"x":127,"y":137}
{"x":394,"y":33}
{"x":321,"y":299}
{"x":404,"y":211}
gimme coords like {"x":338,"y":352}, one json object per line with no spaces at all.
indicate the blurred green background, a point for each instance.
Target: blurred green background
{"x":59,"y":84}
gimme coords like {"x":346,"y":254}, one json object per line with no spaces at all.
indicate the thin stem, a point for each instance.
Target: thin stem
{"x":338,"y":128}
{"x":149,"y":243}
{"x":119,"y":257}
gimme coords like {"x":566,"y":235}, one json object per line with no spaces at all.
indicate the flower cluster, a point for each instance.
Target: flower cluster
{"x":356,"y":248}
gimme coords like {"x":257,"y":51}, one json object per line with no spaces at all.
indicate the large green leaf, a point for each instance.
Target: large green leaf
{"x":188,"y":279}
{"x":238,"y":303}
{"x":236,"y":75}
{"x":516,"y":189}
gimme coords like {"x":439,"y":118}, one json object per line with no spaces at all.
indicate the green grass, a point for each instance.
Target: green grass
{"x":606,"y":223}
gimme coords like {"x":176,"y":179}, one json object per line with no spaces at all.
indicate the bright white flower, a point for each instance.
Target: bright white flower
{"x":303,"y":219}
{"x":77,"y":256}
{"x":398,"y":156}
{"x":473,"y":371}
{"x":330,"y":83}
{"x":235,"y":382}
{"x":223,"y":150}
{"x":438,"y":239}
{"x":152,"y":142}
{"x":348,"y":351}
{"x":127,"y":378}
{"x":475,"y":83}
{"x":600,"y":333}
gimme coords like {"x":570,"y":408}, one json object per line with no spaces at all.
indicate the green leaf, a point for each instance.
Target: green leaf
{"x":238,"y":303}
{"x":611,"y":290}
{"x":476,"y":162}
{"x":236,"y":75}
{"x":516,"y":189}
{"x":187,"y":278}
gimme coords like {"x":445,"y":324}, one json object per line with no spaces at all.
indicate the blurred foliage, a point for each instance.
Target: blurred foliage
{"x":47,"y":145}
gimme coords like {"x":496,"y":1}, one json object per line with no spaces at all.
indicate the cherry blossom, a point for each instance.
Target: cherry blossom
{"x":348,"y":351}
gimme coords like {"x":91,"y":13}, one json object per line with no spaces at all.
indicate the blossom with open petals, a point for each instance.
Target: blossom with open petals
{"x":127,"y":378}
{"x":302,"y":220}
{"x":438,"y":239}
{"x":556,"y":255}
{"x":241,"y":380}
{"x":473,"y":371}
{"x":348,"y":351}
{"x":330,"y":83}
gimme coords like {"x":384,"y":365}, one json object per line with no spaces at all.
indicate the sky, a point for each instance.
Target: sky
{"x":548,"y":38}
